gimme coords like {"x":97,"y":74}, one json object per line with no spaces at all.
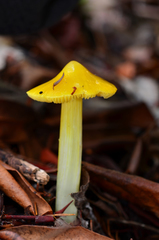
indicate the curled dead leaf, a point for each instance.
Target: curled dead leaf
{"x":14,"y":185}
{"x":13,"y":190}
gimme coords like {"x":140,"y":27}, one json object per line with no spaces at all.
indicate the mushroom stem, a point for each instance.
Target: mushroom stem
{"x":70,"y":151}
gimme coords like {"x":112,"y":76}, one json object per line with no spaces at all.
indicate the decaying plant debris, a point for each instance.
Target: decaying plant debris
{"x":119,"y":194}
{"x":27,"y":169}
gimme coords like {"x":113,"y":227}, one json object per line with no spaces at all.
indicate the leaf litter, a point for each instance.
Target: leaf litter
{"x":119,"y":197}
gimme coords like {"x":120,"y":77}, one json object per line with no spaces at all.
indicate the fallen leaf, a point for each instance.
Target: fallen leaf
{"x":14,"y":185}
{"x":50,"y":233}
{"x":135,"y":189}
{"x":13,"y":190}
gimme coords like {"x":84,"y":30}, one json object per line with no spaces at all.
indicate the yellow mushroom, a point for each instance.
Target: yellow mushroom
{"x":72,"y":84}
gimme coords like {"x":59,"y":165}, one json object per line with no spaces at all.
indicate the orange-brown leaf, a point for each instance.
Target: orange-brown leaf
{"x":52,"y":233}
{"x":21,"y":191}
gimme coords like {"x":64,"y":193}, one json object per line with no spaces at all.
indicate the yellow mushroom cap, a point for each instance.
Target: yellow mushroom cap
{"x":74,"y":81}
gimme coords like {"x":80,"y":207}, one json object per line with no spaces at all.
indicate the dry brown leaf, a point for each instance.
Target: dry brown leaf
{"x":135,"y":189}
{"x":14,"y":185}
{"x":13,"y":190}
{"x":51,"y":233}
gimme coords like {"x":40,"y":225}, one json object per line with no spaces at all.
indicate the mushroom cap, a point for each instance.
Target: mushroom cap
{"x":74,"y":81}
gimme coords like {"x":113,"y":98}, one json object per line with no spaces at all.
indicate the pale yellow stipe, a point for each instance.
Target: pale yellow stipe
{"x":69,"y":157}
{"x":76,"y":82}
